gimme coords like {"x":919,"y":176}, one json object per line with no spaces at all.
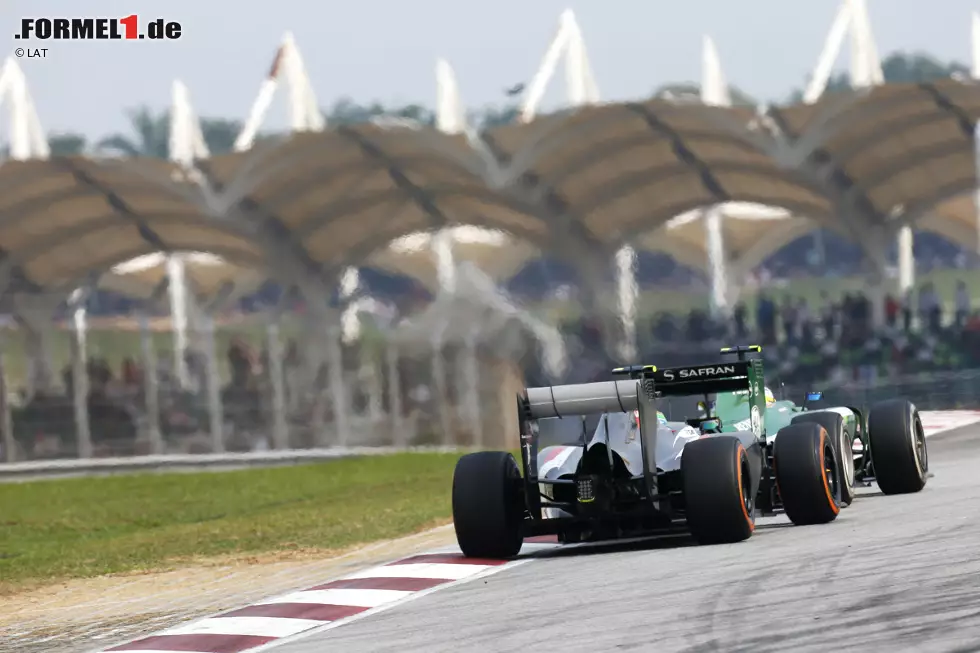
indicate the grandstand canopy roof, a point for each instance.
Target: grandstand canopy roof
{"x":346,"y":192}
{"x":68,"y":217}
{"x":624,"y":169}
{"x":899,"y":150}
{"x":956,"y":220}
{"x":607,"y":174}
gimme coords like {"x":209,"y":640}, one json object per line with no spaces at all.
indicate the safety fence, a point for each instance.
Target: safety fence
{"x":958,"y":390}
{"x":255,"y":385}
{"x":264,"y":384}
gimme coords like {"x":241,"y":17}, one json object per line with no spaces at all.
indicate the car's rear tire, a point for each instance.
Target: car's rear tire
{"x":898,"y":447}
{"x":488,"y":509}
{"x":719,"y":504}
{"x":843,"y":441}
{"x":807,"y":473}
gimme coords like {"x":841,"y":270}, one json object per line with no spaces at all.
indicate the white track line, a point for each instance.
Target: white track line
{"x":437,"y":570}
{"x":367,"y":613}
{"x":257,"y":626}
{"x":352,"y":597}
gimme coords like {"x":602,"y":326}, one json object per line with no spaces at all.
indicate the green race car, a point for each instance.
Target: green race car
{"x":847,"y":427}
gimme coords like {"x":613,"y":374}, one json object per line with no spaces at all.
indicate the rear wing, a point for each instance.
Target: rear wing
{"x":706,"y":379}
{"x":702,"y":379}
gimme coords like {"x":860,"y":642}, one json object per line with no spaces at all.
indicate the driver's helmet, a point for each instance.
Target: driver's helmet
{"x":770,"y":397}
{"x":661,"y":417}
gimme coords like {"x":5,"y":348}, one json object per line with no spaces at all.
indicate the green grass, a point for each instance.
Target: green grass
{"x":76,"y":528}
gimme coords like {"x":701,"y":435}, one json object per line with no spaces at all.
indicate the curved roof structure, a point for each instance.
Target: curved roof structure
{"x":68,"y":217}
{"x":956,"y":220}
{"x":897,"y":150}
{"x":628,"y":168}
{"x":345,"y":192}
{"x":605,"y":175}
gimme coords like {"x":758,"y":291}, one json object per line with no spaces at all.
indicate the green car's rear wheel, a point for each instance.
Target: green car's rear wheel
{"x":898,"y":447}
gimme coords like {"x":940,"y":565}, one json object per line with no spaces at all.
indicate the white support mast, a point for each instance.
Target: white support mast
{"x":715,"y":92}
{"x":581,"y":85}
{"x":450,"y":119}
{"x":186,"y":144}
{"x":975,"y":74}
{"x":865,"y":71}
{"x":852,"y":20}
{"x":304,"y":110}
{"x":27,"y":140}
{"x":582,"y":89}
{"x":304,"y":115}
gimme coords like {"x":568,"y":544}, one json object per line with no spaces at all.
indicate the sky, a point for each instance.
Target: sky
{"x":386,"y":50}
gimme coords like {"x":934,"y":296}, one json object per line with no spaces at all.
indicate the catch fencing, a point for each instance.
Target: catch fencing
{"x":253,"y":384}
{"x":953,"y":390}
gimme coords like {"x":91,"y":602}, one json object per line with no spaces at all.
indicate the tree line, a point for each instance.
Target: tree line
{"x":149,"y":131}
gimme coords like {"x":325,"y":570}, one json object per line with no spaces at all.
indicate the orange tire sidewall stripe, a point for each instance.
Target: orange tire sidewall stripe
{"x":823,"y":471}
{"x":741,"y":488}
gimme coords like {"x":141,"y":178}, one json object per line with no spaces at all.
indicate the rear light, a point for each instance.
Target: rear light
{"x":585,"y":489}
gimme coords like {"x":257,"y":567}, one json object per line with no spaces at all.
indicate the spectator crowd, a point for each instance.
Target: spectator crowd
{"x":832,"y":342}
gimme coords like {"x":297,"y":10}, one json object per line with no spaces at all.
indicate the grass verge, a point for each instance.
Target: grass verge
{"x":76,"y":528}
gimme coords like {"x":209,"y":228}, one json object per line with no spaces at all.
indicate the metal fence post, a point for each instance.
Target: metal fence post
{"x":9,"y":442}
{"x":400,"y":435}
{"x":472,"y":375}
{"x":280,"y":428}
{"x":80,"y":390}
{"x":338,"y":392}
{"x":215,"y":407}
{"x":440,"y":382}
{"x":151,"y":386}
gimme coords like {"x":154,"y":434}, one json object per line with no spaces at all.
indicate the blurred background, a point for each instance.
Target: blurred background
{"x":133,"y":326}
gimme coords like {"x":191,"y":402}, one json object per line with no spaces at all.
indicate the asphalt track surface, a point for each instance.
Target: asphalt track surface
{"x":890,"y":574}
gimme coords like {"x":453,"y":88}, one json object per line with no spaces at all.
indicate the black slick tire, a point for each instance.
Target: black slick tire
{"x":898,"y":447}
{"x":488,"y":510}
{"x":718,"y":500}
{"x":807,"y":473}
{"x":843,"y":441}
